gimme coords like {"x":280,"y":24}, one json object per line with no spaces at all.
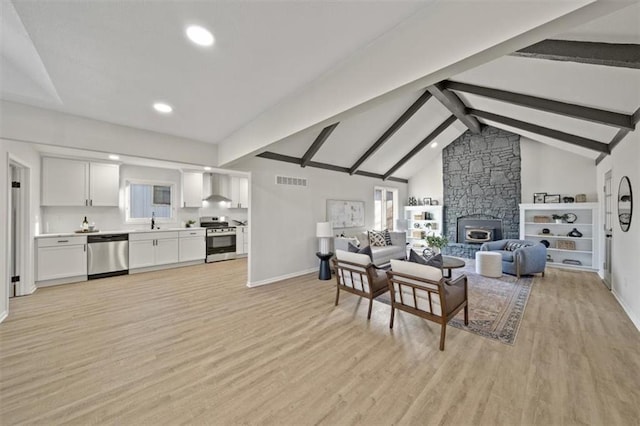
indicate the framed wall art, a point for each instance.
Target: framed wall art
{"x":345,"y":213}
{"x":552,"y":198}
{"x":538,"y":197}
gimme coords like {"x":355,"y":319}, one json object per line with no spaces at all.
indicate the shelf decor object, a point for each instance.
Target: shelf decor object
{"x":566,"y":245}
{"x":555,"y":198}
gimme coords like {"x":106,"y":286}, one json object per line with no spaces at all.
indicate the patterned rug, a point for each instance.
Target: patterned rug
{"x":496,"y":305}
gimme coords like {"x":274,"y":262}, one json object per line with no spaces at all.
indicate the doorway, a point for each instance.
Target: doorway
{"x":18,"y":229}
{"x":608,"y":228}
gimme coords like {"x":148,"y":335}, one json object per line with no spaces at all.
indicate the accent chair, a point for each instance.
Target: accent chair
{"x":355,"y":273}
{"x":422,"y":290}
{"x":519,"y":257}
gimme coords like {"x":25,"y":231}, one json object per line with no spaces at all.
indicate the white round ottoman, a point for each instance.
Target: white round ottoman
{"x":489,"y":264}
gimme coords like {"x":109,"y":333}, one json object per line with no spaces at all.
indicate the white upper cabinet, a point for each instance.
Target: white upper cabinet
{"x":64,"y":182}
{"x":191,"y":189}
{"x":104,"y":184}
{"x":67,"y":182}
{"x":239,"y":192}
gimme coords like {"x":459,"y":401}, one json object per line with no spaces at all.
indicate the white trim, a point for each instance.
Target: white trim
{"x":165,"y":266}
{"x":281,"y":278}
{"x":3,"y":316}
{"x":635,"y":320}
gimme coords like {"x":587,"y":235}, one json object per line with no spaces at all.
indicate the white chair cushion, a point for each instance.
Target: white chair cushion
{"x":416,"y":269}
{"x":360,"y":259}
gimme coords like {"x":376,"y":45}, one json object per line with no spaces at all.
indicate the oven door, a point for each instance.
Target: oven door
{"x":221,"y":247}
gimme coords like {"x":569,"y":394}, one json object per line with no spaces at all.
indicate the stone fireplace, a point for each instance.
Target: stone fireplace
{"x":481,"y":182}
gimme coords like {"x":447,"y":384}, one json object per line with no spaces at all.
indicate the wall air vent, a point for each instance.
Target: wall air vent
{"x":294,"y":181}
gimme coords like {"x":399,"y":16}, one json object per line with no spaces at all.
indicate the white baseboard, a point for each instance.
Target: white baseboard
{"x":281,"y":277}
{"x":4,"y":315}
{"x":635,"y":320}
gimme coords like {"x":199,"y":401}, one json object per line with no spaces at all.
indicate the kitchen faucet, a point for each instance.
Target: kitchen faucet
{"x":153,"y":220}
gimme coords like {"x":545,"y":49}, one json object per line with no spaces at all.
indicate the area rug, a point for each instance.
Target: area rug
{"x":496,"y":305}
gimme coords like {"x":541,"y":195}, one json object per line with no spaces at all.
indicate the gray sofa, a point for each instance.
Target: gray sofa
{"x":529,"y":259}
{"x":381,"y":255}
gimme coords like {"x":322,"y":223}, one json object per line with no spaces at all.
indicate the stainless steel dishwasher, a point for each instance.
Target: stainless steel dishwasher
{"x":108,"y":255}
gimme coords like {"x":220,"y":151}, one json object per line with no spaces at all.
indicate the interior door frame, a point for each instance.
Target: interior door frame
{"x":608,"y":233}
{"x":24,"y":255}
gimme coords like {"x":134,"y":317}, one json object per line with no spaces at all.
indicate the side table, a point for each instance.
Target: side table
{"x":325,"y":270}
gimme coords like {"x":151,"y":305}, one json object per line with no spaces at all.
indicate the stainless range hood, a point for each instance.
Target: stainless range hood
{"x":213,"y":185}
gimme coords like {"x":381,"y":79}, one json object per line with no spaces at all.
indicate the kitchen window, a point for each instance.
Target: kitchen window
{"x":145,"y":199}
{"x":385,"y":202}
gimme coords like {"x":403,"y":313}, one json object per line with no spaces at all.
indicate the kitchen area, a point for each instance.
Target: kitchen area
{"x":115,"y":216}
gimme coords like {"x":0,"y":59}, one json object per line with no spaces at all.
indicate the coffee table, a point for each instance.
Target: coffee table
{"x":449,"y":263}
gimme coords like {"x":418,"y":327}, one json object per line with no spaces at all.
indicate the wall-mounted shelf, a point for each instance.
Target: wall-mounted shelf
{"x":586,"y":247}
{"x":417,"y":223}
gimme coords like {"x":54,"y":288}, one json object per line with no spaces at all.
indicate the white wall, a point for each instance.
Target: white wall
{"x":428,"y":182}
{"x":283,"y":218}
{"x":554,"y":171}
{"x":625,"y":274}
{"x":4,"y":170}
{"x":30,"y":124}
{"x":29,"y":158}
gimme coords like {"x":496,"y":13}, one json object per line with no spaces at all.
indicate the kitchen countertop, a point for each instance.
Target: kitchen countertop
{"x":118,"y":231}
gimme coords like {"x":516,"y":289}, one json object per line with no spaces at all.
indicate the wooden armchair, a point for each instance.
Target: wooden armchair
{"x":421,"y":290}
{"x":356,"y":274}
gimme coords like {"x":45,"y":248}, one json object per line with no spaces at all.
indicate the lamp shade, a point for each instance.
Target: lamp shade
{"x":324,"y":230}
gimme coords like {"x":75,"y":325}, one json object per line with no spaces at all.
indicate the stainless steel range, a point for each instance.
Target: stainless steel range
{"x":221,"y":239}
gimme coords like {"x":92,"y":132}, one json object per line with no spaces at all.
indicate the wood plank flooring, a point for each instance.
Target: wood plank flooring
{"x":196,"y":346}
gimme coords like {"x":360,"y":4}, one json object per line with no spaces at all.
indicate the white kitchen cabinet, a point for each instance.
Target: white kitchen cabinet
{"x":153,"y":249}
{"x":104,"y":184}
{"x":141,"y":253}
{"x":192,"y":245}
{"x":61,"y":257}
{"x":242,"y":240}
{"x":192,"y":189}
{"x":239,"y":192}
{"x":68,"y":182}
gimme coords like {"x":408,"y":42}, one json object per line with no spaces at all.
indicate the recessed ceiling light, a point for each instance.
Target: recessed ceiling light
{"x":114,"y":157}
{"x":162,"y":107}
{"x":199,"y":35}
{"x":207,"y":168}
{"x":433,"y":145}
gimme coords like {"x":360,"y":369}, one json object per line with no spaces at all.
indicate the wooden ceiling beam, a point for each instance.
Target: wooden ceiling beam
{"x":544,"y":131}
{"x":584,"y":52}
{"x":452,"y":102}
{"x":295,"y":160}
{"x":315,"y":146}
{"x":614,"y":119}
{"x":391,"y":130}
{"x":441,"y":128}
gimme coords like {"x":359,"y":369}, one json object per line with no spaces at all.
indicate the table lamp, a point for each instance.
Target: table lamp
{"x":324,"y":231}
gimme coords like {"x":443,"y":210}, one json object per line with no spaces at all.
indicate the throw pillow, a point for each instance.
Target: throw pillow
{"x":514,"y":245}
{"x":365,"y":250}
{"x":387,"y":237}
{"x":416,"y":258}
{"x":376,"y":238}
{"x":435,"y":261}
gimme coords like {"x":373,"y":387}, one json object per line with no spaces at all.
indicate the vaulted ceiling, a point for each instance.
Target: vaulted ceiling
{"x":357,"y":87}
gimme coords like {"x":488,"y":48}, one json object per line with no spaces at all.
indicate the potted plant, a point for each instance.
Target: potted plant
{"x":190,"y":223}
{"x":437,"y":242}
{"x":560,"y":218}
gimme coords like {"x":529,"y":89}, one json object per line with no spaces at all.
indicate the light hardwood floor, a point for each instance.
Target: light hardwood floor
{"x":195,"y":346}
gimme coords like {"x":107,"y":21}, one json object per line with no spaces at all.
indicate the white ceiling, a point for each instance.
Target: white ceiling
{"x":111,"y":60}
